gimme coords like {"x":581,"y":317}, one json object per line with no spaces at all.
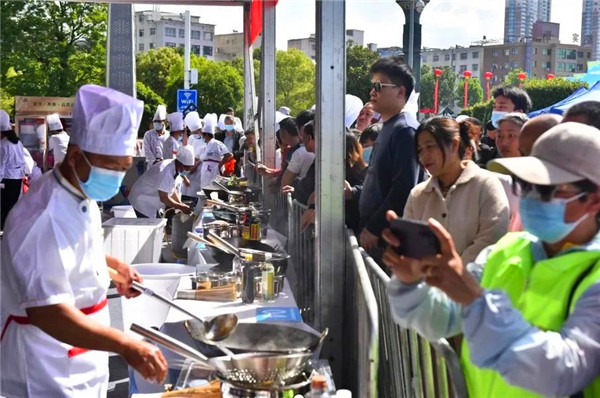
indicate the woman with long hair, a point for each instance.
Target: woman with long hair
{"x":355,"y":174}
{"x":12,"y":166}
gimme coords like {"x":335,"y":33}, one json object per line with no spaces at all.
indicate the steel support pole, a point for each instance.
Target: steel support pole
{"x":187,"y":49}
{"x":120,"y":49}
{"x":330,"y":137}
{"x":249,"y":86}
{"x":268,"y":84}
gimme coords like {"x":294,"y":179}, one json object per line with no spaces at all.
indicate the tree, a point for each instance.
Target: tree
{"x":151,"y":102}
{"x":154,"y":68}
{"x":358,"y":78}
{"x":475,"y":91}
{"x":512,"y":79}
{"x":544,"y":93}
{"x":219,"y":86}
{"x":295,"y":80}
{"x":51,"y":48}
{"x":447,"y":87}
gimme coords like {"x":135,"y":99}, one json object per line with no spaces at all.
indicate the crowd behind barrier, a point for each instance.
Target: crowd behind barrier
{"x":386,"y":360}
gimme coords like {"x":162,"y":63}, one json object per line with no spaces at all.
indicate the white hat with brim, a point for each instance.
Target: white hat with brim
{"x":193,"y":121}
{"x":564,"y":154}
{"x":176,"y":121}
{"x":186,"y":155}
{"x":210,"y":122}
{"x":160,"y":114}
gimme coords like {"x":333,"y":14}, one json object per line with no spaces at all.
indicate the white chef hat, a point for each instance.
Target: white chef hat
{"x":278,"y":118}
{"x":221,"y":122}
{"x":160,"y":114}
{"x":193,"y":121}
{"x":238,"y":125}
{"x":106,"y":121}
{"x":54,"y":122}
{"x":4,"y":121}
{"x":353,"y":108}
{"x":185,"y":155}
{"x":210,"y":121}
{"x":176,"y":121}
{"x":285,"y":110}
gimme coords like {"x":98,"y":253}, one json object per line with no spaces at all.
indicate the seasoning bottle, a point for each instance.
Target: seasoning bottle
{"x":318,"y":387}
{"x":248,"y":273}
{"x":268,"y":282}
{"x":255,"y":227}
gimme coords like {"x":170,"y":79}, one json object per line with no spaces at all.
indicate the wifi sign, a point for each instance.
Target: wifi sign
{"x":185,"y":98}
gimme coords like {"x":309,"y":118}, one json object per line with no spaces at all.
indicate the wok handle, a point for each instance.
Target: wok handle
{"x":149,"y":292}
{"x":223,"y":242}
{"x":170,"y":343}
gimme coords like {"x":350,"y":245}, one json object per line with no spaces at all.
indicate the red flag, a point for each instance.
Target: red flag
{"x":256,"y":16}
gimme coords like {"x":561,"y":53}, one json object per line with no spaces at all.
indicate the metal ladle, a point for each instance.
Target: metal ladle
{"x":218,"y":328}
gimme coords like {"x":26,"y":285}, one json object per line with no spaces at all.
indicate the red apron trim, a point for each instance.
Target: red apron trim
{"x":23,"y":320}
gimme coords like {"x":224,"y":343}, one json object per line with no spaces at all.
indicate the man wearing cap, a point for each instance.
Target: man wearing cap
{"x":154,"y":139}
{"x":160,"y":185}
{"x":529,"y":305}
{"x":59,"y":139}
{"x":177,"y":137}
{"x":215,"y":153}
{"x":56,"y":331}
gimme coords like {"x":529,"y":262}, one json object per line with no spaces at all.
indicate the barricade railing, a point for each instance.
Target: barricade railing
{"x":301,"y":247}
{"x":279,"y":213}
{"x":408,"y":367}
{"x":361,"y":325}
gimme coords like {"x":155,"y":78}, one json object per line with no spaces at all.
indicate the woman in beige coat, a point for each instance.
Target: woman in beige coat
{"x":467,"y":200}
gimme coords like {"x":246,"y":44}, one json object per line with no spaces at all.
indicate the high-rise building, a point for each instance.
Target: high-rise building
{"x":156,"y":29}
{"x":520,"y":15}
{"x":590,"y":27}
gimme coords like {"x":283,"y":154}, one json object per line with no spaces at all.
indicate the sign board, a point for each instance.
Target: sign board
{"x":44,"y":105}
{"x":185,"y":98}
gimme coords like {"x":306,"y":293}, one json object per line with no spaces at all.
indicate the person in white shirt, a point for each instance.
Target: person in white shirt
{"x":154,"y":139}
{"x":160,"y":185}
{"x":12,"y":167}
{"x":194,"y":125}
{"x":214,"y":155}
{"x":59,"y":139}
{"x":56,"y":331}
{"x":301,"y":159}
{"x":178,"y":136}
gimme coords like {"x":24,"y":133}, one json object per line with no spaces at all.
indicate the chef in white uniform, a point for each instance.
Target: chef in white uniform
{"x":56,"y":331}
{"x":59,"y":139}
{"x":194,"y":124}
{"x":154,"y":139}
{"x":177,"y":136}
{"x":214,"y":154}
{"x":160,"y":185}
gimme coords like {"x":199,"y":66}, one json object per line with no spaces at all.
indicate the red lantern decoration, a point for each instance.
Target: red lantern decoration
{"x":550,"y":76}
{"x":467,"y":74}
{"x":488,"y":76}
{"x":438,"y":73}
{"x":522,"y":76}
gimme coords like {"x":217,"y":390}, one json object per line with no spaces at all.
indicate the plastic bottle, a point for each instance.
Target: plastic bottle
{"x":318,"y":387}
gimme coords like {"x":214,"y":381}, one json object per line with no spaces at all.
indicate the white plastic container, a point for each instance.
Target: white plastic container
{"x":134,"y":240}
{"x":124,"y":211}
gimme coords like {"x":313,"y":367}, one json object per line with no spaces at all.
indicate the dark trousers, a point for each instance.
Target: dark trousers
{"x":140,"y":215}
{"x":9,"y":196}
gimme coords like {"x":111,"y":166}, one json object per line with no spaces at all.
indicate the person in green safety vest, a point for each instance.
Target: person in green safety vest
{"x":529,"y":306}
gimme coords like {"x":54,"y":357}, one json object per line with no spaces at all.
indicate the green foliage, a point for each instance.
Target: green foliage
{"x":151,"y":102}
{"x":447,"y":87}
{"x":51,"y":48}
{"x":358,"y":78}
{"x":512,"y":79}
{"x":475,"y":92}
{"x":481,"y":111}
{"x":219,"y":86}
{"x":154,"y":68}
{"x":544,"y":93}
{"x":295,"y":80}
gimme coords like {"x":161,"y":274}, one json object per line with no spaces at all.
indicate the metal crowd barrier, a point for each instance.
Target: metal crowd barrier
{"x":408,"y":367}
{"x":279,"y":213}
{"x":361,"y":325}
{"x":301,"y":247}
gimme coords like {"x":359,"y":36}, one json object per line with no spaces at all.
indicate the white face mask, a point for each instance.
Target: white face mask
{"x":158,"y":126}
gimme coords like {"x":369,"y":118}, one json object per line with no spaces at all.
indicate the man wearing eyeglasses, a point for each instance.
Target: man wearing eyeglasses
{"x":529,"y":306}
{"x":393,"y":168}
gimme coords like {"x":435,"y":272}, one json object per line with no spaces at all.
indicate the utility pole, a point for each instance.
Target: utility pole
{"x":187,"y":49}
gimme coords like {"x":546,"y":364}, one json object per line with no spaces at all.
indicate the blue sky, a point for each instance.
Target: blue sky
{"x":445,"y":22}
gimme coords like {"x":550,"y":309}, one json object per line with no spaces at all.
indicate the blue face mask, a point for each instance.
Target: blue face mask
{"x":102,"y":184}
{"x":496,"y":116}
{"x":229,"y":127}
{"x":367,"y":154}
{"x":546,"y":220}
{"x":180,"y":138}
{"x":184,"y":173}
